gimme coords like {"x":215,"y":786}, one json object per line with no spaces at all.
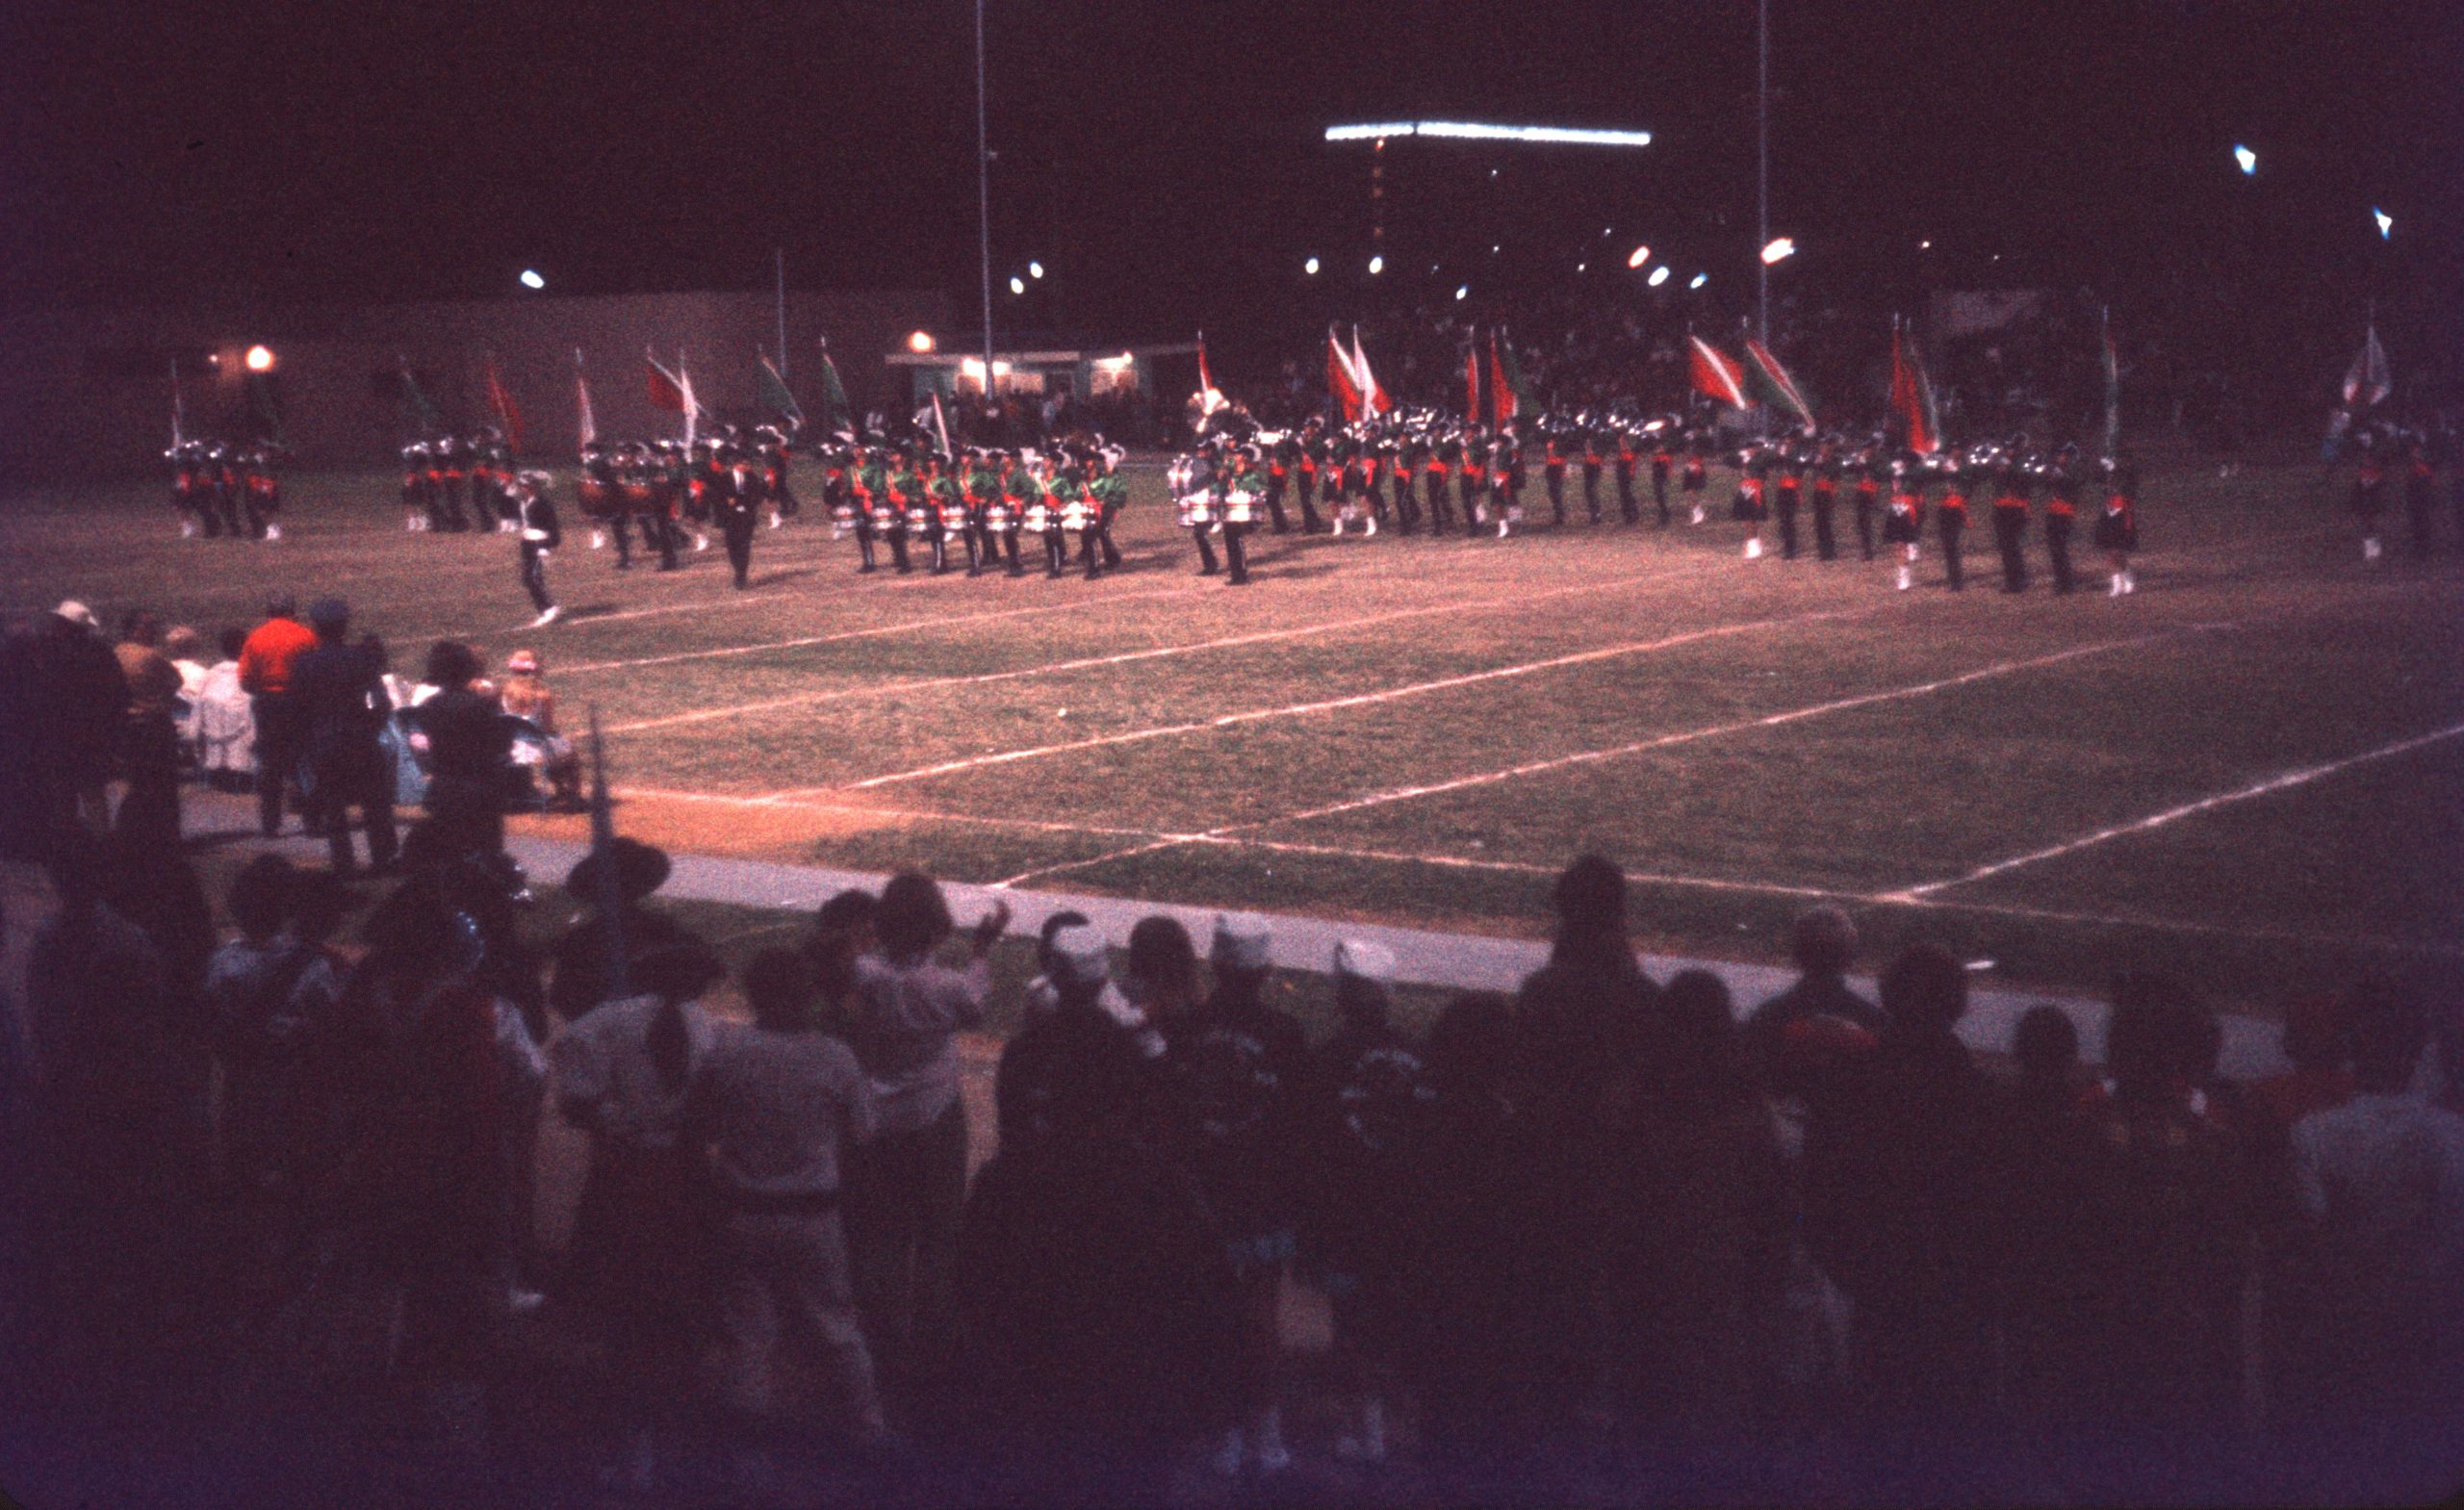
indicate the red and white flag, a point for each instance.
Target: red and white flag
{"x":585,"y":423}
{"x":1911,"y":396}
{"x":1341,"y":381}
{"x":1716,"y":373}
{"x":692,"y":405}
{"x":501,"y":404}
{"x":2371,"y":381}
{"x":1505,"y":398}
{"x":1374,"y":399}
{"x":1472,"y":383}
{"x":1210,"y":397}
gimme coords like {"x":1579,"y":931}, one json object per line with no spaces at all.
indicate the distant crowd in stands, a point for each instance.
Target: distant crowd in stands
{"x":1609,"y":1240}
{"x":297,"y":710}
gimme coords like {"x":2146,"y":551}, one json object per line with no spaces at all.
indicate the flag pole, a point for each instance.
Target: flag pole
{"x":179,"y":407}
{"x":780,"y":253}
{"x":609,"y":897}
{"x":983,"y":203}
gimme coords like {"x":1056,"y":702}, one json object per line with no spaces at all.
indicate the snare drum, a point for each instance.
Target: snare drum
{"x":639,"y":498}
{"x":999,"y":515}
{"x":920,"y":518}
{"x":1197,"y":509}
{"x":600,"y":500}
{"x":1239,"y":506}
{"x":1039,"y":517}
{"x":1077,"y":514}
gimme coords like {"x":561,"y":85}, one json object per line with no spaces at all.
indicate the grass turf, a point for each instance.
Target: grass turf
{"x":1744,"y":735}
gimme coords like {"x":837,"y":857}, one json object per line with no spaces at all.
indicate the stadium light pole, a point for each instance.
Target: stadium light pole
{"x":983,"y":202}
{"x":1763,"y":167}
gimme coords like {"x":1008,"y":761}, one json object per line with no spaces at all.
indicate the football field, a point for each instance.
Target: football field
{"x":2250,"y":771}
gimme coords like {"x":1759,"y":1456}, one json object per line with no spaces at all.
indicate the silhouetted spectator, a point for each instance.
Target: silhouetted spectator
{"x":265,"y":993}
{"x":2167,"y":1216}
{"x":1699,"y":1221}
{"x":469,"y":751}
{"x":1043,"y":992}
{"x":1160,"y":978}
{"x":1477,"y":1237}
{"x":1897,"y":1207}
{"x":776,"y":1106}
{"x":2040,"y":1263}
{"x":910,"y":1183}
{"x":344,"y":708}
{"x":415,"y":1090}
{"x":150,"y":739}
{"x":1077,"y":1061}
{"x":1102,"y":1312}
{"x":582,"y":975}
{"x":1236,"y":1069}
{"x":2378,"y":1366}
{"x":1368,"y":1105}
{"x":267,"y":662}
{"x":1824,"y":943}
{"x":841,"y":934}
{"x":80,"y":707}
{"x":623,"y":1073}
{"x":1575,"y":1018}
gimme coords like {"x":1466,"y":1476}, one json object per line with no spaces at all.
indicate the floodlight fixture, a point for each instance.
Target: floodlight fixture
{"x":259,"y":359}
{"x":2247,"y":159}
{"x":1659,"y":275}
{"x":1472,"y":131}
{"x":530,"y":279}
{"x":1780,"y":248}
{"x":2386,"y":223}
{"x":1638,"y":256}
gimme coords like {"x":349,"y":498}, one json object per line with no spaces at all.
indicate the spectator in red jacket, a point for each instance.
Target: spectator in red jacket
{"x":267,"y":661}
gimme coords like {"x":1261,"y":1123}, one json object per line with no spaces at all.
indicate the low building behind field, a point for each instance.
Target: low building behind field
{"x":90,"y":392}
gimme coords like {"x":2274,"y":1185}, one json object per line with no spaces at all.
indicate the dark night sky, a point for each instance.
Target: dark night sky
{"x":1158,"y":153}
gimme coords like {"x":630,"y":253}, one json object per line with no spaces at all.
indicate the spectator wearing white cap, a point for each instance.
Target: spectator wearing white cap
{"x":1082,"y":1062}
{"x":81,"y":698}
{"x":1237,"y":1066}
{"x":1367,"y":1109}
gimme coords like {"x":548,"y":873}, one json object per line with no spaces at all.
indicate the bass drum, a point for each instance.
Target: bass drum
{"x":599,"y":500}
{"x":640,"y":498}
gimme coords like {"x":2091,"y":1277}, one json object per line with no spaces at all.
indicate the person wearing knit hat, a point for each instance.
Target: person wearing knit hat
{"x":1078,"y":1071}
{"x":1238,"y":1066}
{"x":1368,"y":1105}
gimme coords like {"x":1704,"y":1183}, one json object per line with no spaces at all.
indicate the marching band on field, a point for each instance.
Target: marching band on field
{"x":987,"y":509}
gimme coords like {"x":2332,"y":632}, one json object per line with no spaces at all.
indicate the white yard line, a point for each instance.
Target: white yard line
{"x":1085,"y":663}
{"x":2273,"y":784}
{"x":1740,"y":725}
{"x":868,"y":633}
{"x":1330,"y":705}
{"x":1657,"y":742}
{"x":850,"y":809}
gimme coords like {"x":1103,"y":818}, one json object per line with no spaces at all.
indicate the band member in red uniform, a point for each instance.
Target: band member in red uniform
{"x":2420,"y":491}
{"x":188,"y":490}
{"x":2118,"y":526}
{"x":1281,"y":458}
{"x":1553,"y":471}
{"x":260,"y":493}
{"x":1752,"y":504}
{"x":1695,"y":478}
{"x":1872,"y":465}
{"x":1474,"y":480}
{"x":2014,"y":485}
{"x":1628,"y":507}
{"x":2369,"y":489}
{"x":1787,"y":496}
{"x":1829,"y":461}
{"x":2062,"y":515}
{"x":1592,"y":461}
{"x":1445,"y":448}
{"x":1950,"y":517}
{"x":1662,"y":458}
{"x":1313,"y":460}
{"x":1905,"y":528}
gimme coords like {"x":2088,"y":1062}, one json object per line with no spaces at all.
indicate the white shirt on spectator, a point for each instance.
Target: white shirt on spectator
{"x":905,"y":1025}
{"x":601,"y":1063}
{"x":779,"y":1108}
{"x":2382,"y":1180}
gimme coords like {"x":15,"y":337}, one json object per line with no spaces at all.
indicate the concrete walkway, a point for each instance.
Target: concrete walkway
{"x":1446,"y":961}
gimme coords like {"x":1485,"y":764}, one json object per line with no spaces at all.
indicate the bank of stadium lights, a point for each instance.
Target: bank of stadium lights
{"x":1310,"y":267}
{"x":920,"y":341}
{"x":1638,"y":256}
{"x":1376,"y":265}
{"x":1017,"y":285}
{"x":1781,"y":249}
{"x":1659,"y":275}
{"x":2246,"y":159}
{"x":1468,"y":131}
{"x":531,"y":280}
{"x":2386,"y":223}
{"x":259,"y":359}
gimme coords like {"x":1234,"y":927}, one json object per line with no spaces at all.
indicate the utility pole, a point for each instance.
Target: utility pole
{"x":984,"y":201}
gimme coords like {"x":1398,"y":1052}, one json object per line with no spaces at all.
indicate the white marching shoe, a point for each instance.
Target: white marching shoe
{"x":701,"y":542}
{"x":2370,"y":548}
{"x":775,"y":520}
{"x":2115,"y":589}
{"x":1698,"y":513}
{"x":188,"y":529}
{"x":273,"y":531}
{"x":1906,"y":579}
{"x":599,"y":540}
{"x":1369,"y":527}
{"x":2129,"y":582}
{"x":1754,"y":547}
{"x":1501,"y":529}
{"x":1339,"y":523}
{"x":546,"y":616}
